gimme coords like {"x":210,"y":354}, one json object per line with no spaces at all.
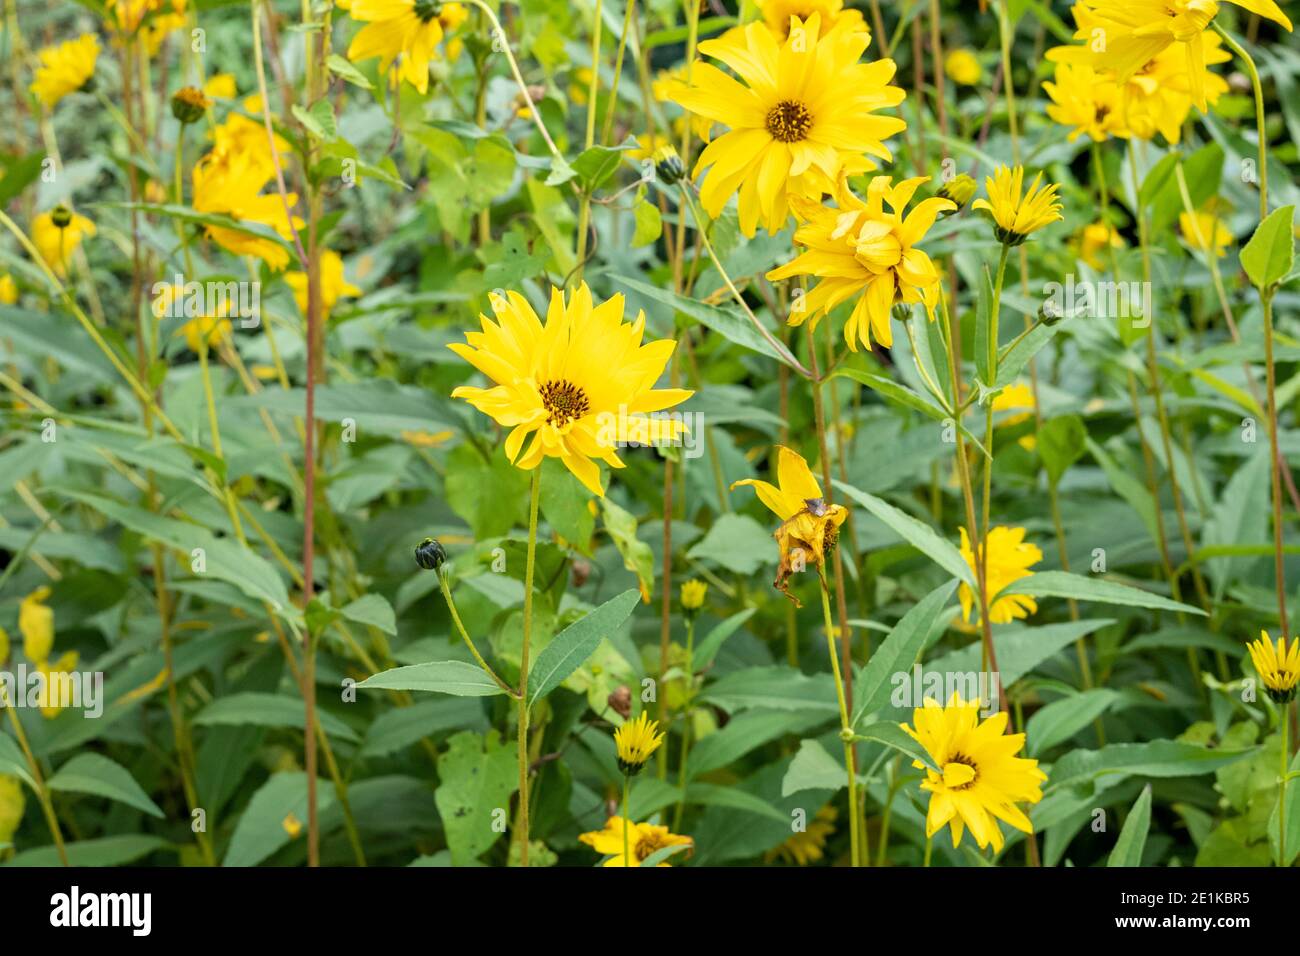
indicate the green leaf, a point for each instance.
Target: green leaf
{"x":570,"y":649}
{"x":1156,"y":758}
{"x":1061,"y":442}
{"x":95,"y":774}
{"x":773,"y":688}
{"x":894,"y":736}
{"x":564,"y":503}
{"x":269,"y":710}
{"x":1133,"y":837}
{"x":707,"y":649}
{"x":637,"y":556}
{"x":265,"y":825}
{"x":649,"y":223}
{"x":440,"y":677}
{"x":319,"y":121}
{"x":717,"y":795}
{"x":921,"y":536}
{"x":105,"y":851}
{"x":1065,"y":585}
{"x":1062,"y":719}
{"x":737,"y":543}
{"x":813,"y":769}
{"x":595,"y":166}
{"x":745,"y":733}
{"x":372,"y":610}
{"x":983,"y":326}
{"x":12,"y":761}
{"x":477,"y":776}
{"x":1267,"y":257}
{"x":900,"y":650}
{"x":340,"y":66}
{"x":1017,"y":355}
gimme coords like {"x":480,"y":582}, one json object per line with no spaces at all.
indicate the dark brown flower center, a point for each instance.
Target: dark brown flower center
{"x":564,"y":402}
{"x":647,"y":845}
{"x":789,"y":121}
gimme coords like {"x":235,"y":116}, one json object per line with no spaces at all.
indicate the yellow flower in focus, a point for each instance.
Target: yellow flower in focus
{"x":1205,"y":232}
{"x":333,"y":284}
{"x":1096,"y":238}
{"x":1278,"y":666}
{"x":804,"y":108}
{"x":12,"y":804}
{"x":643,"y":840}
{"x":962,"y":67}
{"x":809,"y":846}
{"x":1009,"y":559}
{"x":231,"y":183}
{"x":408,"y":31}
{"x":579,"y":385}
{"x":636,"y":740}
{"x":8,"y":290}
{"x":36,"y":623}
{"x":220,"y":86}
{"x":777,"y":14}
{"x":53,"y":695}
{"x":980,"y":778}
{"x":1016,"y":215}
{"x":65,"y":68}
{"x":693,"y":594}
{"x":809,"y":526}
{"x":865,"y":249}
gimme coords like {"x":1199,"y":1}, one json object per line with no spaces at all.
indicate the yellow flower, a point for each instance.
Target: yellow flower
{"x":333,"y":284}
{"x":643,"y":839}
{"x":1015,"y":216}
{"x":36,"y":622}
{"x":230,"y":183}
{"x":65,"y":68}
{"x":1018,"y":399}
{"x":1009,"y":559}
{"x":805,"y":108}
{"x":809,"y":526}
{"x":957,"y":191}
{"x":636,"y":740}
{"x":808,"y":846}
{"x":404,"y":30}
{"x":1205,"y":232}
{"x":649,"y":145}
{"x":1136,"y":31}
{"x":4,"y":645}
{"x":1086,"y":101}
{"x":962,"y":67}
{"x":240,"y":136}
{"x":980,"y":778}
{"x":292,"y":826}
{"x":1096,"y":238}
{"x":866,"y":250}
{"x":52,"y":697}
{"x":580,"y":384}
{"x":579,"y":85}
{"x":777,"y":14}
{"x":1278,"y":667}
{"x":12,"y":803}
{"x":220,"y":86}
{"x":664,"y":89}
{"x":57,"y":234}
{"x":8,"y":290}
{"x":693,"y":593}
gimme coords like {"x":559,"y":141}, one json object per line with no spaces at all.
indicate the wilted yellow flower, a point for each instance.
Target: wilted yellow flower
{"x":980,"y":779}
{"x":810,"y":528}
{"x":1009,"y":559}
{"x":1014,"y":215}
{"x":65,"y":68}
{"x":408,"y":31}
{"x":57,"y":234}
{"x":333,"y":284}
{"x":36,"y":622}
{"x":8,"y":289}
{"x":865,"y":249}
{"x":1205,"y":232}
{"x":642,"y":840}
{"x":52,"y":696}
{"x":804,"y":111}
{"x":636,"y":740}
{"x":693,"y":593}
{"x":579,"y":385}
{"x":962,"y":67}
{"x":1095,"y":239}
{"x":808,"y":845}
{"x":12,"y":803}
{"x":1278,"y":666}
{"x":777,"y":14}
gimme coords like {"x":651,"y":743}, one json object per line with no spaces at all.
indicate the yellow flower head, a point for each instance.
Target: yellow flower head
{"x":1016,"y":215}
{"x":1278,"y":666}
{"x":57,"y":234}
{"x":1086,"y":101}
{"x":1205,"y":232}
{"x":1010,"y":557}
{"x":52,"y":696}
{"x":643,"y":839}
{"x":777,"y":14}
{"x":12,"y":803}
{"x":1096,"y":238}
{"x":807,"y":846}
{"x":664,"y":89}
{"x":8,"y":290}
{"x":806,"y":108}
{"x":962,"y":67}
{"x":693,"y":594}
{"x":230,"y":182}
{"x":866,"y":249}
{"x":36,"y":622}
{"x":333,"y":284}
{"x":809,"y":526}
{"x":636,"y":740}
{"x":980,"y":779}
{"x":957,"y":191}
{"x":579,"y":385}
{"x":405,"y":30}
{"x":65,"y":68}
{"x":4,"y":645}
{"x":1133,"y":32}
{"x":220,"y":86}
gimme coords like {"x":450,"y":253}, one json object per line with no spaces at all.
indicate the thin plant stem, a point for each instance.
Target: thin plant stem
{"x":534,"y":495}
{"x":846,"y":730}
{"x":469,"y":641}
{"x":42,"y":792}
{"x":627,"y":823}
{"x":1281,"y":798}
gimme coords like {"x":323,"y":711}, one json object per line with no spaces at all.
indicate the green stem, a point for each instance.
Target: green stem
{"x":846,"y":729}
{"x":42,"y":792}
{"x":627,"y":823}
{"x":534,"y":495}
{"x":1281,"y":801}
{"x":469,"y":641}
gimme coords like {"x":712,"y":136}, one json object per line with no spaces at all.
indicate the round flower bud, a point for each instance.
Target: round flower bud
{"x":430,"y":555}
{"x":958,"y":190}
{"x":189,"y":104}
{"x":668,"y":165}
{"x":61,"y":216}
